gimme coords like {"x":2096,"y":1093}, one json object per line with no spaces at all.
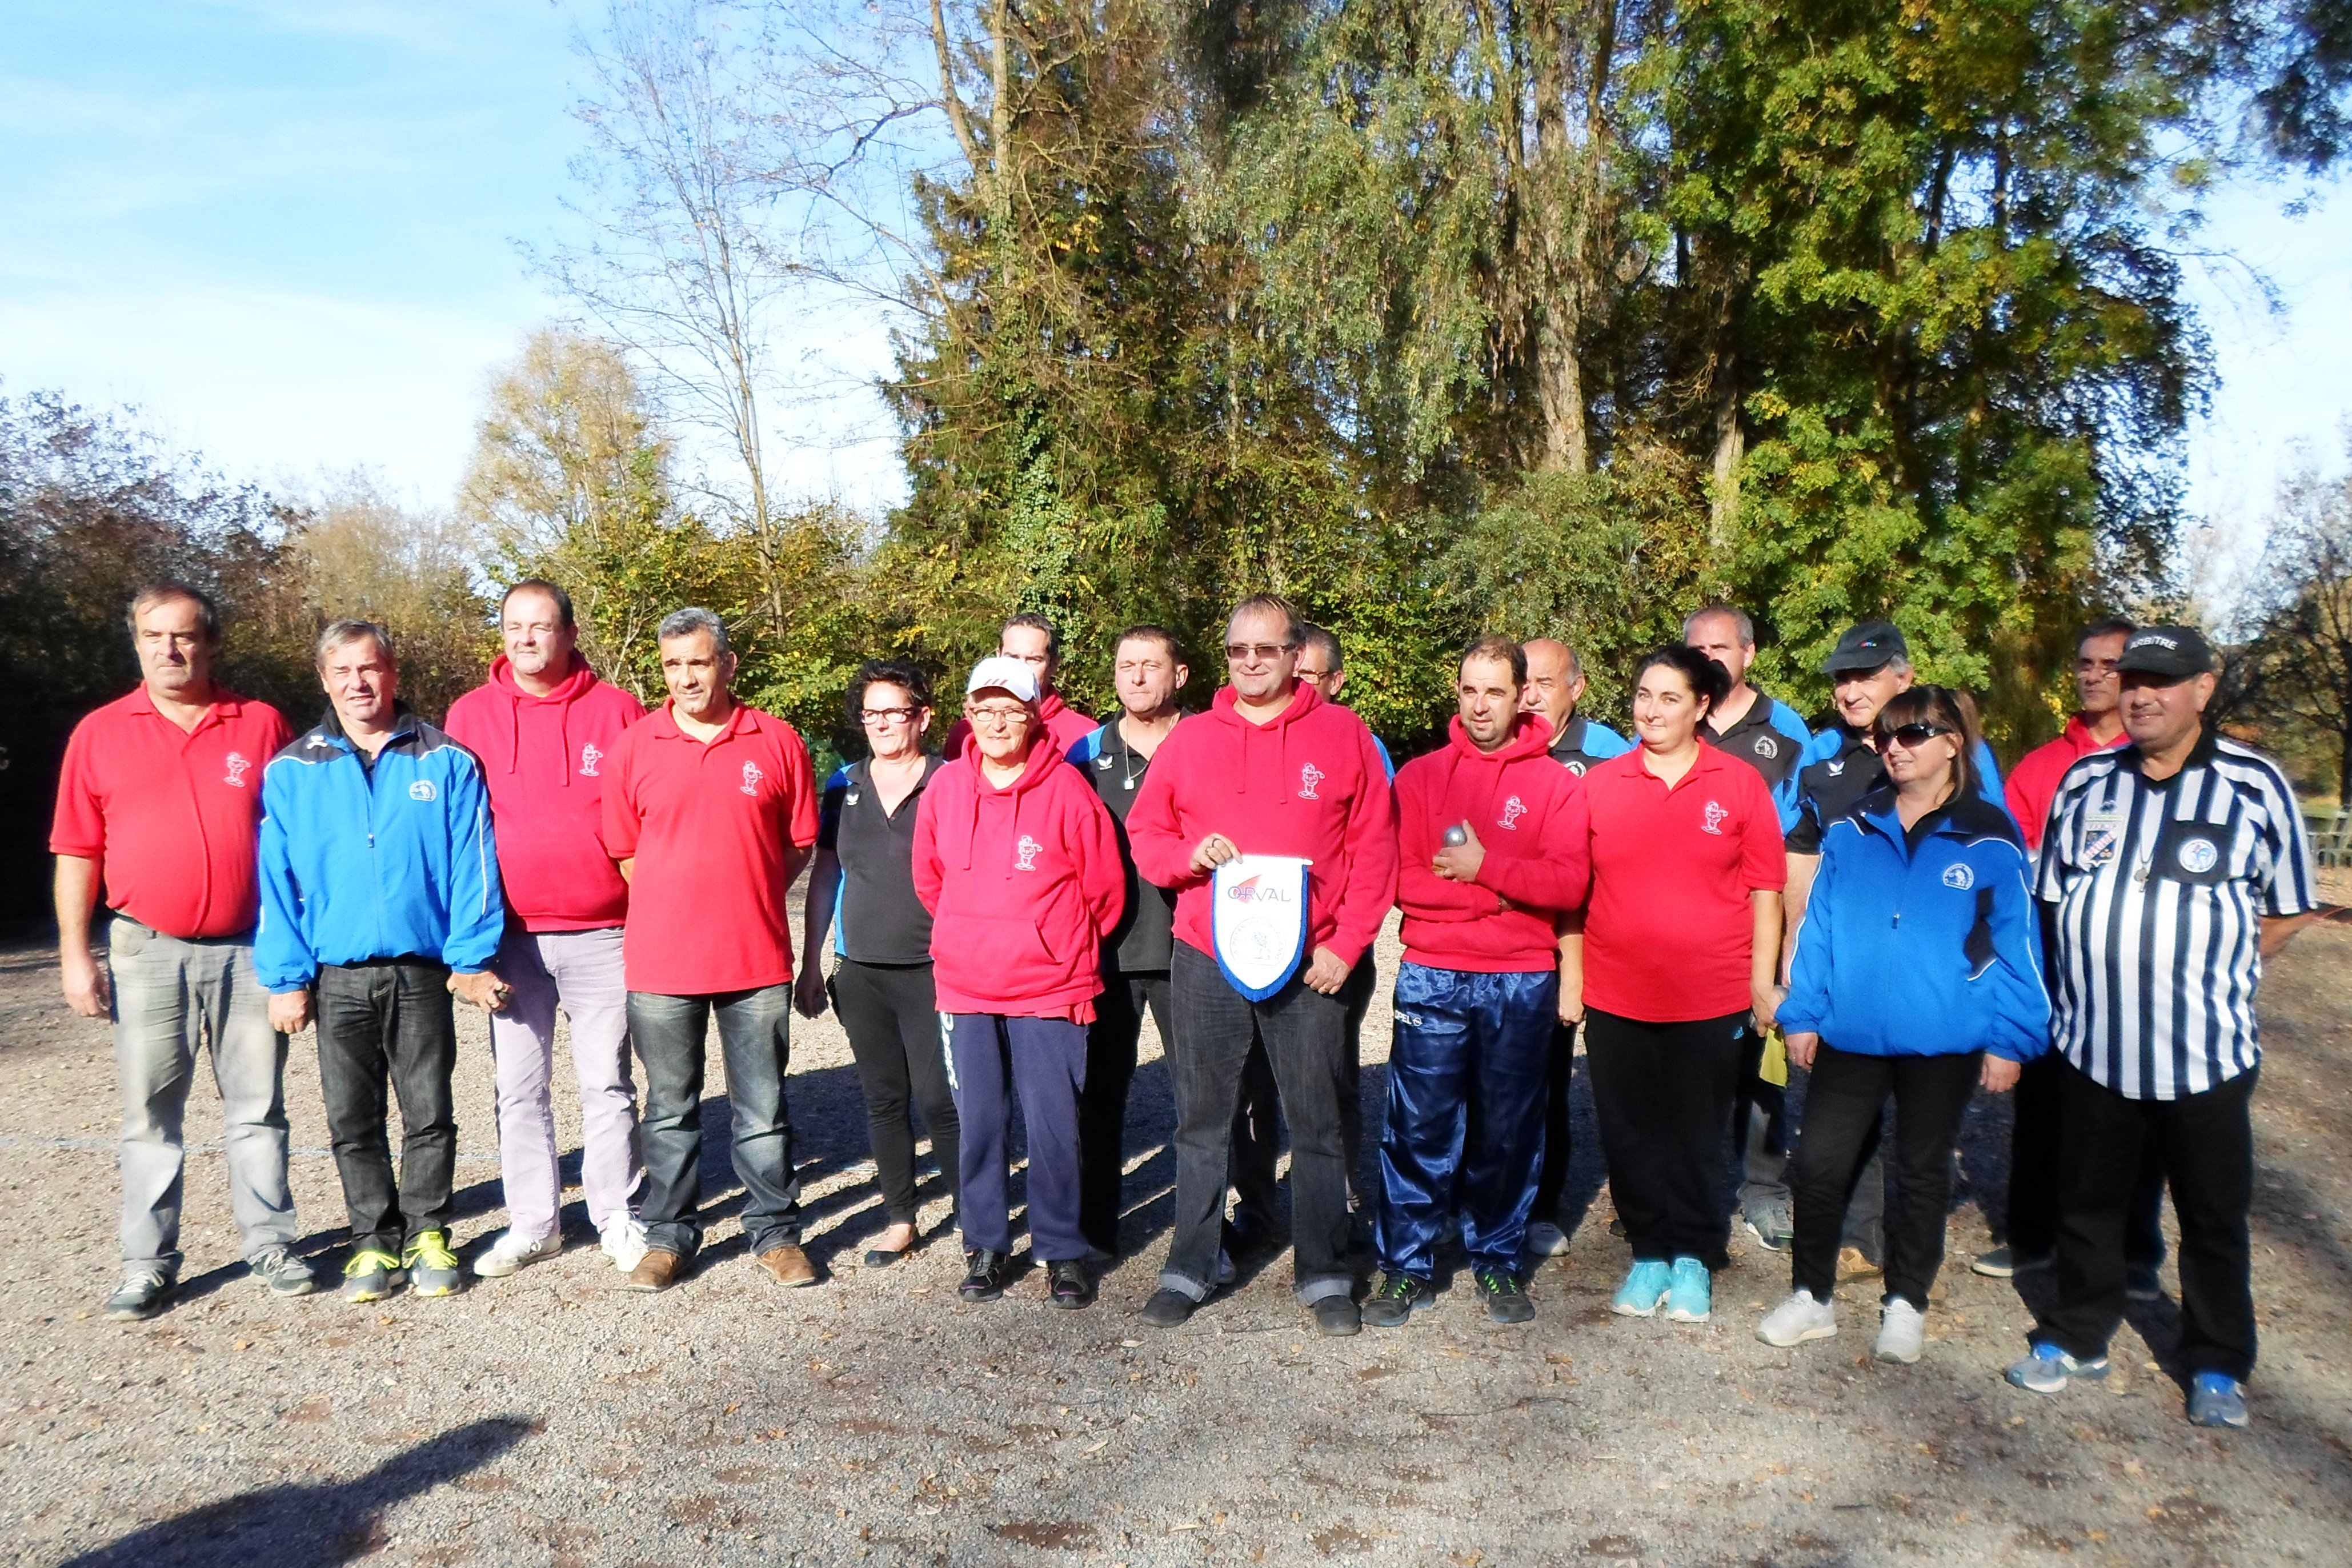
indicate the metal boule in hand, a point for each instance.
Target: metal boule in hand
{"x":1456,"y":833}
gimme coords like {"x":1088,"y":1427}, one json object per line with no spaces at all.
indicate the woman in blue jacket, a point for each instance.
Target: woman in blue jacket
{"x":1917,"y":972}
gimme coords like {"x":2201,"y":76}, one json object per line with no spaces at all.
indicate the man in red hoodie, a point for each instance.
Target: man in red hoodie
{"x":1488,"y":864}
{"x":1018,"y":863}
{"x":1031,"y":639}
{"x":2031,"y":1224}
{"x":1270,"y":770}
{"x":542,"y":726}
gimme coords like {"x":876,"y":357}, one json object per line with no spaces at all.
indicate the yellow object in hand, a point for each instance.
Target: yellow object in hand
{"x":1774,"y":1068}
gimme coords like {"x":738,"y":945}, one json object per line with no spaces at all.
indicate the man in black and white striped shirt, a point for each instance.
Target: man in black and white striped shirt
{"x":2172,"y":867}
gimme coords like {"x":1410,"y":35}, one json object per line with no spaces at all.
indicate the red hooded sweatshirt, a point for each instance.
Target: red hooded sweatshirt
{"x":1023,"y":883}
{"x":2033,"y":782}
{"x":1065,"y":724}
{"x":1307,"y":782}
{"x":544,"y":758}
{"x":1517,"y":801}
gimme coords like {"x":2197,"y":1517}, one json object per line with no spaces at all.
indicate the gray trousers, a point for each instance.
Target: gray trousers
{"x":171,"y":997}
{"x":581,"y":972}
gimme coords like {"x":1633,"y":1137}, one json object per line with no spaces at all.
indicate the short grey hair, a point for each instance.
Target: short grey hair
{"x":1327,"y":640}
{"x":685,"y":622}
{"x":1739,"y":617}
{"x":339,"y":632}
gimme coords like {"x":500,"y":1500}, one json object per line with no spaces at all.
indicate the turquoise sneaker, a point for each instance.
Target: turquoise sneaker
{"x":1646,"y":1286}
{"x":1692,"y":1296}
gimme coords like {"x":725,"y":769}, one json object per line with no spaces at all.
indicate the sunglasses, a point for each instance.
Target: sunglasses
{"x":1910,"y":736}
{"x":1264,"y":652}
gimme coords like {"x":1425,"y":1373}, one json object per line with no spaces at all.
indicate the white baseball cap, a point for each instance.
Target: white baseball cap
{"x":1002,"y":672}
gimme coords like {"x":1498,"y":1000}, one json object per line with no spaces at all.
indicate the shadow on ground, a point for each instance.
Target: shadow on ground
{"x":311,"y":1526}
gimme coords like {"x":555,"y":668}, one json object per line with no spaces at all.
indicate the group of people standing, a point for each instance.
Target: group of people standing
{"x":1717,"y":898}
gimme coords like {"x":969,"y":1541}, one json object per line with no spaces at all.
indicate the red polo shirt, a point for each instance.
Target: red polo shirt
{"x":1669,"y":929}
{"x":710,"y":826}
{"x":171,"y":814}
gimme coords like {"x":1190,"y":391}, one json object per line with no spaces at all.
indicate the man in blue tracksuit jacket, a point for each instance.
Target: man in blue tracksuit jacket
{"x":379,"y":898}
{"x":1920,"y":953}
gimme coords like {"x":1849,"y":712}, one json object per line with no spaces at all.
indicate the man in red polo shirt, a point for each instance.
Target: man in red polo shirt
{"x":160,"y":797}
{"x":710,"y":810}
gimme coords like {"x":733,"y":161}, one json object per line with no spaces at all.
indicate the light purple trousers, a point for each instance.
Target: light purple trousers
{"x":581,"y":972}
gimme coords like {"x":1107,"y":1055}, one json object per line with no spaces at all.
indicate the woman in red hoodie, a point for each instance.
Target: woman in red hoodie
{"x":1018,"y":864}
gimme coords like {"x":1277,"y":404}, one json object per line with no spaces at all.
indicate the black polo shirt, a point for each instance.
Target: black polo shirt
{"x":1145,"y":941}
{"x":1829,"y":786}
{"x":876,"y":918}
{"x":1769,"y":737}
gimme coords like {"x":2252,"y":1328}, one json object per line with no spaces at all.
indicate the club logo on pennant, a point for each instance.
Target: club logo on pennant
{"x":1258,"y":922}
{"x":1026,"y":852}
{"x":752,"y":777}
{"x":1513,"y":809}
{"x":1310,"y":776}
{"x":238,"y":764}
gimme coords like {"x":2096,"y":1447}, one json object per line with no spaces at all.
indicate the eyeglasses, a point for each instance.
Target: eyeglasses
{"x":1243,"y":652}
{"x":1910,"y":736}
{"x":997,"y":717}
{"x":885,"y":714}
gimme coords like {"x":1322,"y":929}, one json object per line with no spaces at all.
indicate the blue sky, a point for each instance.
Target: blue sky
{"x":286,"y":229}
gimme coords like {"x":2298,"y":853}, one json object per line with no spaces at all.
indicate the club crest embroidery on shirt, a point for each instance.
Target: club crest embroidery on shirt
{"x":752,"y":777}
{"x":1836,"y":768}
{"x":1513,"y":809}
{"x":1960,"y":876}
{"x":238,"y":764}
{"x":2102,"y":836}
{"x":1027,"y":850}
{"x":2199,"y":856}
{"x":1310,"y":776}
{"x":1715,"y":814}
{"x":1767,"y":748}
{"x":1575,"y":767}
{"x":589,"y":757}
{"x":421,"y":790}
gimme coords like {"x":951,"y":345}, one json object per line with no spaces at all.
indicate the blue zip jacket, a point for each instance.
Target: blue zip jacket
{"x":1935,"y":953}
{"x":355,"y":867}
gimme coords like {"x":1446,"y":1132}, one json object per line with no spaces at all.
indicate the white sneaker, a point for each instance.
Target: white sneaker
{"x":511,"y":1252}
{"x":622,"y":1237}
{"x":1902,"y":1329}
{"x":1797,"y":1320}
{"x":1546,"y":1239}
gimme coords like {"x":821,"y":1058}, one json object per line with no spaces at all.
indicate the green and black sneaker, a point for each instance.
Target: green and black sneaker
{"x":1399,"y":1297}
{"x":1505,"y":1298}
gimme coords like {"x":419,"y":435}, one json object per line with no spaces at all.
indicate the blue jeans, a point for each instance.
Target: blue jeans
{"x":755,"y":1042}
{"x":1046,"y":1059}
{"x":1466,"y":1116}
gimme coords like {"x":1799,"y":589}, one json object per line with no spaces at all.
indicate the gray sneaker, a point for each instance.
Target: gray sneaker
{"x":2217,"y":1400}
{"x":1772,"y":1227}
{"x":142,"y":1293}
{"x":280,"y":1272}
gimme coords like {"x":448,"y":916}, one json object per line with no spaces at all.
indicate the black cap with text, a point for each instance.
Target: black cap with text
{"x":1867,"y":647}
{"x":2175,"y":652}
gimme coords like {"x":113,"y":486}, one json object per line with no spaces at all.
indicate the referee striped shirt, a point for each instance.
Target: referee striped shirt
{"x":2160,"y":889}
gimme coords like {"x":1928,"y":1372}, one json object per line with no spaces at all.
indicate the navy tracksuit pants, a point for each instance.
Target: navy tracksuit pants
{"x":988,"y":1056}
{"x":1464,"y":1131}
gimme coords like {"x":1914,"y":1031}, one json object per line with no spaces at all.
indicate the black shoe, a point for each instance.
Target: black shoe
{"x":1399,"y":1297}
{"x":1337,"y":1317}
{"x":1167,"y":1309}
{"x":1617,"y":1228}
{"x":985,"y":1282}
{"x":1505,"y":1298}
{"x":1071,"y":1286}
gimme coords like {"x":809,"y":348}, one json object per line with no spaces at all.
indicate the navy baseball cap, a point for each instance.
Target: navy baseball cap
{"x":1867,"y":647}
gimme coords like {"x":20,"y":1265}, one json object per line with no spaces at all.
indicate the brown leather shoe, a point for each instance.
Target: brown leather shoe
{"x":658,"y":1270}
{"x":789,"y":1265}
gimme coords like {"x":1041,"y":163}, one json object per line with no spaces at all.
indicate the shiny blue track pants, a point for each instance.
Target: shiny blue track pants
{"x":1465,"y":1128}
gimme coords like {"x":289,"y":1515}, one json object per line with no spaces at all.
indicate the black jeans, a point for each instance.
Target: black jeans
{"x":1111,"y":1043}
{"x":899,"y":1044}
{"x":1552,"y":1181}
{"x":1842,"y":1106}
{"x":1257,"y":1135}
{"x":1304,"y":1035}
{"x":1663,"y":1094}
{"x":389,"y":1020}
{"x":2205,"y":1145}
{"x":754,"y":1040}
{"x":2033,"y":1140}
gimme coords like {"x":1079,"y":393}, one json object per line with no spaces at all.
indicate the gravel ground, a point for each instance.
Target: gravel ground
{"x":550,"y":1419}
